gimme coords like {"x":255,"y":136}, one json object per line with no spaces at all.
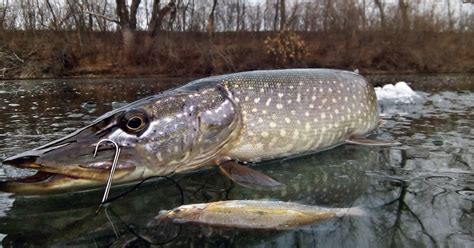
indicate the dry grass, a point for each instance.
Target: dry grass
{"x":64,"y":54}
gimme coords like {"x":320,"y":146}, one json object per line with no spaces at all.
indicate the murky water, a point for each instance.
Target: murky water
{"x":418,"y":195}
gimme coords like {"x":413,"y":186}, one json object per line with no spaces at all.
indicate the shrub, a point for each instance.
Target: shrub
{"x":286,"y":47}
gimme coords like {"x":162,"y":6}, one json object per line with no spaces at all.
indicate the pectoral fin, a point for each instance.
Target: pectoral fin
{"x":372,"y":142}
{"x":246,"y":176}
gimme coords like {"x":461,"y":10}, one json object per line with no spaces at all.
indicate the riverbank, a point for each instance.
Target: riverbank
{"x":48,"y":54}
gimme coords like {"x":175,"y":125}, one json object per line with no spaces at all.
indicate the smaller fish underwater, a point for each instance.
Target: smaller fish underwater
{"x":254,"y":214}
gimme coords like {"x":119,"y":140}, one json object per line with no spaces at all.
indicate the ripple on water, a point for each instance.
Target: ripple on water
{"x":438,"y":178}
{"x":467,"y":193}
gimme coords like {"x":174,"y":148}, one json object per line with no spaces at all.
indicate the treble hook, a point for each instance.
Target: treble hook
{"x":112,"y":169}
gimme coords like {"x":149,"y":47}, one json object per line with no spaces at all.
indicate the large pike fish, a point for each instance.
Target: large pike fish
{"x":222,"y":120}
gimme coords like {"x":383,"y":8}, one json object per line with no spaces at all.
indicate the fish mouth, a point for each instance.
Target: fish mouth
{"x":68,"y":166}
{"x":72,"y":177}
{"x":94,"y":169}
{"x":46,"y":183}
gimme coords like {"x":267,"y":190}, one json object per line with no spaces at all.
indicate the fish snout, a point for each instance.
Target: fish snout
{"x":23,"y":160}
{"x":75,"y":159}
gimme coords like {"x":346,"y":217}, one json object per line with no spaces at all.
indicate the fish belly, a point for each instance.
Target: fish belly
{"x":289,"y":112}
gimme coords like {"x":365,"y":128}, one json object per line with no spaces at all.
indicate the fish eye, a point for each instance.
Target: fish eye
{"x":134,"y":121}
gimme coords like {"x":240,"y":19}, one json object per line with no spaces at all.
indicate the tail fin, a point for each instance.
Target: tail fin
{"x":352,"y":211}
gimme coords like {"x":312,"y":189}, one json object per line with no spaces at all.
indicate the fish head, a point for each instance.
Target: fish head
{"x":159,"y":135}
{"x":181,"y":214}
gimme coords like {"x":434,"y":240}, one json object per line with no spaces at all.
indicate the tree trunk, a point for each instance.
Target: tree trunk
{"x":156,"y":23}
{"x":403,"y":8}
{"x":53,"y":15}
{"x":183,"y":16}
{"x":275,"y":21}
{"x":3,"y":13}
{"x":363,"y":15}
{"x":282,"y":15}
{"x":128,"y":39}
{"x":379,"y":5}
{"x":128,"y":25}
{"x":450,"y":16}
{"x":157,"y":16}
{"x":326,"y":15}
{"x":210,"y":21}
{"x":133,"y":14}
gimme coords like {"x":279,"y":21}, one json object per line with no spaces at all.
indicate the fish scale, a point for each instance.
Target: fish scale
{"x":287,"y":112}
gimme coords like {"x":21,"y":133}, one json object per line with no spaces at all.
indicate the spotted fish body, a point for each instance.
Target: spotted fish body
{"x":248,"y":116}
{"x":288,"y":112}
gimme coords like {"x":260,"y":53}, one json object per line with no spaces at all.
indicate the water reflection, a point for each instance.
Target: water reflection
{"x":334,"y":178}
{"x":417,"y":195}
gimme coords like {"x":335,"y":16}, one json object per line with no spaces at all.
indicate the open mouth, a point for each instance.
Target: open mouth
{"x":43,"y":182}
{"x":40,"y":176}
{"x":66,"y":178}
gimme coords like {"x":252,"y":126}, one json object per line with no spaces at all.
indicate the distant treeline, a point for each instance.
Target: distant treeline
{"x":199,"y":37}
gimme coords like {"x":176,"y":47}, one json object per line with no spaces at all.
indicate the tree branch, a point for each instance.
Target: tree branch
{"x":102,"y":16}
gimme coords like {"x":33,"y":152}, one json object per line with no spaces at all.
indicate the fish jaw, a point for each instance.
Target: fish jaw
{"x":56,"y":176}
{"x":83,"y":166}
{"x":47,"y":183}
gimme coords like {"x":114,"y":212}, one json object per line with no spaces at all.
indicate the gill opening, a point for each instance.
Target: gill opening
{"x":207,"y":156}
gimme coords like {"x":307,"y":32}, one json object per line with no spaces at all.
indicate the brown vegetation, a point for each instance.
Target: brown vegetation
{"x":183,"y":38}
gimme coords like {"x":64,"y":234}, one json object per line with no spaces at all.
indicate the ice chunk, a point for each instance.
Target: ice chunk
{"x":400,"y":93}
{"x":398,"y":99}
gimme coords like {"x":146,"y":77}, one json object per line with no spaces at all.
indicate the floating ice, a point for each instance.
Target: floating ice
{"x":400,"y":93}
{"x":398,"y":99}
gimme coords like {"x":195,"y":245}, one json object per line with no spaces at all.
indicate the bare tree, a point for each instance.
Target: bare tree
{"x":210,"y":22}
{"x":363,"y":14}
{"x":3,"y":13}
{"x":380,"y":7}
{"x":275,"y":20}
{"x":282,"y":15}
{"x":255,"y":19}
{"x":128,"y":26}
{"x":403,"y":7}
{"x":55,"y":20}
{"x":184,"y":13}
{"x":327,"y":15}
{"x":450,"y":15}
{"x":157,"y":16}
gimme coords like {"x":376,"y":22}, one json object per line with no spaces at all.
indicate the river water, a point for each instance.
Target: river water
{"x":417,"y":195}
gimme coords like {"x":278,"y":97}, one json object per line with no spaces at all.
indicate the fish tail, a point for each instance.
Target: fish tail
{"x":352,"y":211}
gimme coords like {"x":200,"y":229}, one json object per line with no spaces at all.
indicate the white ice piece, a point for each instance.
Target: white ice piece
{"x":400,"y":93}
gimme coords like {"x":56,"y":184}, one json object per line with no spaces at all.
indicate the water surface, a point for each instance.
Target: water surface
{"x":417,"y":195}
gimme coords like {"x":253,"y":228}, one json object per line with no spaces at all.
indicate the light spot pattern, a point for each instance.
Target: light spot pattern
{"x":297,"y":111}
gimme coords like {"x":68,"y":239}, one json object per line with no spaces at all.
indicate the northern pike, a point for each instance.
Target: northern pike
{"x":254,"y":214}
{"x":220,"y":120}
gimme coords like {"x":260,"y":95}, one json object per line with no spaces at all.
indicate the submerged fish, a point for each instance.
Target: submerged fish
{"x":254,"y":214}
{"x":247,"y":117}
